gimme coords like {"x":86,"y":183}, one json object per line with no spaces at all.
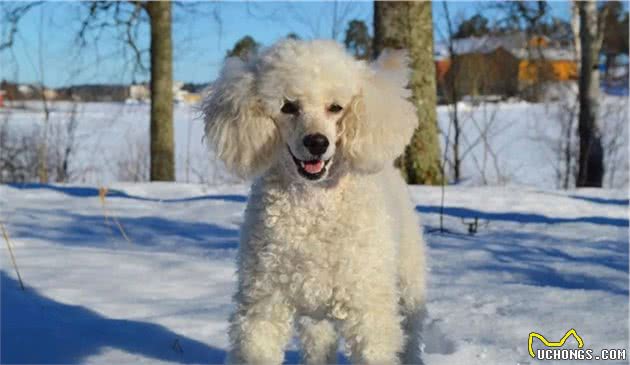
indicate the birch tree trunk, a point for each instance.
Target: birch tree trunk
{"x":409,"y":25}
{"x":591,"y":156}
{"x":162,"y":142}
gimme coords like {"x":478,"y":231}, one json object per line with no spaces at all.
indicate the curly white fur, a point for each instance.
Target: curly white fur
{"x":343,"y":253}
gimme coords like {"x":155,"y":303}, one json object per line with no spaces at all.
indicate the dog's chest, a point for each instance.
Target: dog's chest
{"x":312,"y":261}
{"x":310,"y":233}
{"x":313,"y":246}
{"x":305,"y":246}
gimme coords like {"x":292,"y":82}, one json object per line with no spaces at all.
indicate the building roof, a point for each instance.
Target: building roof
{"x":515,"y":43}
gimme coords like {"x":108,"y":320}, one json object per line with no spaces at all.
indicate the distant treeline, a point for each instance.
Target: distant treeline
{"x":84,"y":92}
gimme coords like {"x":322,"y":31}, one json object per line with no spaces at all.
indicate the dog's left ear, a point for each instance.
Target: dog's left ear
{"x":381,"y":119}
{"x":238,"y":130}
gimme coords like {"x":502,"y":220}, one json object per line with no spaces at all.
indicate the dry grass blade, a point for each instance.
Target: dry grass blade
{"x":6,"y":238}
{"x":102,"y":193}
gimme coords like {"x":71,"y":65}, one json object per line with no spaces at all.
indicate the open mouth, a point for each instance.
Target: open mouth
{"x":312,"y":169}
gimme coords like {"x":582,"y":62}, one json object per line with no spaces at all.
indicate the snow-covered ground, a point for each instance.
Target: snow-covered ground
{"x":542,"y":260}
{"x":501,"y":143}
{"x":112,"y":134}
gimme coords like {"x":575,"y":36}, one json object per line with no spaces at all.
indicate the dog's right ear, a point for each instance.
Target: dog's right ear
{"x":242,"y":136}
{"x":382,"y":118}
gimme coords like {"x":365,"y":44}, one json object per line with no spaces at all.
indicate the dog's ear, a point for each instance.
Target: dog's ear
{"x":381,"y":120}
{"x":242,"y":136}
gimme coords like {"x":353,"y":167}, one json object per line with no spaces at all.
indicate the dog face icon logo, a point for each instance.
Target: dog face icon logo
{"x":560,"y":343}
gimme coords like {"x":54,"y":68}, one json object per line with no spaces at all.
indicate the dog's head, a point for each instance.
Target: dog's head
{"x":310,"y":108}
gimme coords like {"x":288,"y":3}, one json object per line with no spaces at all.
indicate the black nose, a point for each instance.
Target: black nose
{"x":317,"y":143}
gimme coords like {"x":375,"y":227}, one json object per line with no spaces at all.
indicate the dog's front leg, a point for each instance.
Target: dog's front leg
{"x":372,"y":327}
{"x":260,"y":331}
{"x":319,"y":341}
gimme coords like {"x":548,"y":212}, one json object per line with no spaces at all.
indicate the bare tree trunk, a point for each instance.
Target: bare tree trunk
{"x":451,"y":93}
{"x":575,"y":28}
{"x":409,"y":25}
{"x":43,"y":147}
{"x":42,"y":170}
{"x":162,"y":143}
{"x":591,"y":157}
{"x":568,"y":150}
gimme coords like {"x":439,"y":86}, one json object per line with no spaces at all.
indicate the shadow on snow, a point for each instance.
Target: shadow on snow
{"x":87,"y":192}
{"x":39,"y":330}
{"x":93,"y":231}
{"x":597,"y":200}
{"x":537,"y":259}
{"x":590,"y":199}
{"x":460,"y":212}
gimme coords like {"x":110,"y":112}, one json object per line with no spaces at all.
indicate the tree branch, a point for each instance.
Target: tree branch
{"x":13,"y":15}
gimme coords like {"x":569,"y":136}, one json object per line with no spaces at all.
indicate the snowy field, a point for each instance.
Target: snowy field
{"x":112,"y":134}
{"x":542,"y":260}
{"x":501,"y":143}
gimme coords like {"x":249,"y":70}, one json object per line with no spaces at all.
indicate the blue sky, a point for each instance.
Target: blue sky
{"x":45,"y":48}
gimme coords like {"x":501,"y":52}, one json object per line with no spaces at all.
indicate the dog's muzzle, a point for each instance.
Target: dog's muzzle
{"x":310,"y":169}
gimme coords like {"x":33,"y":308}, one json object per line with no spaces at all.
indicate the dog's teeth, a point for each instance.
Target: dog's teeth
{"x":302,"y":164}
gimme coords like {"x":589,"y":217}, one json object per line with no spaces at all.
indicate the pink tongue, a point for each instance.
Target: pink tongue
{"x":313,"y":167}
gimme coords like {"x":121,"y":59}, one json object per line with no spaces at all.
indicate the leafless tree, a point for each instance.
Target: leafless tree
{"x":591,"y":156}
{"x":560,"y":138}
{"x":566,"y":168}
{"x":133,"y":163}
{"x":452,"y":96}
{"x":477,"y":141}
{"x":43,"y":147}
{"x":20,"y":162}
{"x":614,"y":116}
{"x":487,"y":130}
{"x":64,"y":144}
{"x":125,"y":18}
{"x":556,"y":133}
{"x":12,"y":15}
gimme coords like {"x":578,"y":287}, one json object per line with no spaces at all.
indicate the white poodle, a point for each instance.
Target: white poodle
{"x":330,"y":239}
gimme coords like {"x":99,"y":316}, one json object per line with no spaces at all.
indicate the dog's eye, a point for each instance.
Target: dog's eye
{"x":335,"y":108}
{"x":290,"y":107}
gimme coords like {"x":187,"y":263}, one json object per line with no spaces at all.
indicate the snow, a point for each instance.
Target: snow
{"x":523,"y":140}
{"x":112,"y":133}
{"x":520,"y":144}
{"x":542,"y":260}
